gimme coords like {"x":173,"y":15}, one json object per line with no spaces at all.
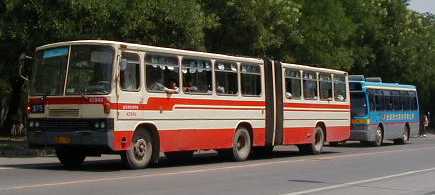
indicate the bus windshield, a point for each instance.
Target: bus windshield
{"x":89,"y":70}
{"x":359,"y":105}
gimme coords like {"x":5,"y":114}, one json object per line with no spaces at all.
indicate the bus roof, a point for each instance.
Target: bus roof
{"x":147,"y":48}
{"x":382,"y":85}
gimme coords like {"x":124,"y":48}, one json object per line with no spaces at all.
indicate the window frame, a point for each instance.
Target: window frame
{"x":139,"y":71}
{"x":237,"y":73}
{"x":299,"y":79}
{"x":145,"y":64}
{"x":260,"y":79}
{"x":315,"y":80}
{"x":320,"y":74}
{"x":182,"y":74}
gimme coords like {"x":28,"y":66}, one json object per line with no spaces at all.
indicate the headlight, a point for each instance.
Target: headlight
{"x":96,"y":125}
{"x":102,"y":125}
{"x":31,"y":124}
{"x":36,"y":124}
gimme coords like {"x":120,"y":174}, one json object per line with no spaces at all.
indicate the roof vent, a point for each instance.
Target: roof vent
{"x":356,"y":77}
{"x":374,"y":79}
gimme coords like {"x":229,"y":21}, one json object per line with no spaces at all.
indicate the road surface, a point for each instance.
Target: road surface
{"x":345,"y":169}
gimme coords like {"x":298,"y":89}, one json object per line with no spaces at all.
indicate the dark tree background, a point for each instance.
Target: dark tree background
{"x":376,"y":38}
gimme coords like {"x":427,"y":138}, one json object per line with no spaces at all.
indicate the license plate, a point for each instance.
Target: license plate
{"x":63,"y":140}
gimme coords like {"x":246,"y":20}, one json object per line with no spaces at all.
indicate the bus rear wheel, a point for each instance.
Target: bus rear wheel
{"x":405,"y":137}
{"x":241,"y":144}
{"x":70,"y":158}
{"x":140,"y":153}
{"x":317,"y":146}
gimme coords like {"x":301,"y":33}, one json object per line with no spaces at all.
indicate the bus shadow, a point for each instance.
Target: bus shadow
{"x":112,"y":165}
{"x":361,"y":145}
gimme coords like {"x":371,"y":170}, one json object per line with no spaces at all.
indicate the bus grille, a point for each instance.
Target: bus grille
{"x":63,"y":112}
{"x":65,"y":125}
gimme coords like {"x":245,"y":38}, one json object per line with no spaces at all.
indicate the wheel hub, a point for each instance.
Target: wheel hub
{"x":140,"y":148}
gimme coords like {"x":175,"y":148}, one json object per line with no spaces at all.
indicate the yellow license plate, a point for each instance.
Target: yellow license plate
{"x":63,"y":140}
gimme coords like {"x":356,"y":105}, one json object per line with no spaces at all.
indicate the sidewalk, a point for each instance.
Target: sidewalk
{"x":17,"y":147}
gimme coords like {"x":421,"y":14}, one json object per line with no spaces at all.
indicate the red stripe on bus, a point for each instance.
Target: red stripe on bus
{"x":157,"y":103}
{"x":316,"y":110}
{"x":303,"y":135}
{"x":190,"y":139}
{"x":218,"y":108}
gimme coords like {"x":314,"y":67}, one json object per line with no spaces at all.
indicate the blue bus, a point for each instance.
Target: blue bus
{"x":383,"y":111}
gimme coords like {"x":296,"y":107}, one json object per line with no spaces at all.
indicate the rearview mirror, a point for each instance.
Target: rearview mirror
{"x":21,"y":63}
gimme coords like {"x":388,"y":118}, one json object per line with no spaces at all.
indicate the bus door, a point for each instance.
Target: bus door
{"x":274,"y":102}
{"x":129,"y":93}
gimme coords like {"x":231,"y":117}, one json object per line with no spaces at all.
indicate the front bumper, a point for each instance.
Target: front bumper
{"x":75,"y":132}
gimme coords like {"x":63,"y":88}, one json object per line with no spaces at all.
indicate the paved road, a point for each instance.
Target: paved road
{"x":346,"y":169}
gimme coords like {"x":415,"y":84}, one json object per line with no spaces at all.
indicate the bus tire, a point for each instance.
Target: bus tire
{"x":379,"y":137}
{"x":317,"y":146}
{"x":140,"y":153}
{"x":241,"y":144}
{"x":70,"y":158}
{"x":405,"y":137}
{"x":179,"y":156}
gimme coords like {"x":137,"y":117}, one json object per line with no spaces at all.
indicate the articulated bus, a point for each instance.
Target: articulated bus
{"x":94,"y":97}
{"x":383,"y":111}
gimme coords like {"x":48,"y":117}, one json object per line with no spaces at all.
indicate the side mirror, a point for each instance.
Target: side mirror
{"x":288,"y":95}
{"x":22,"y":62}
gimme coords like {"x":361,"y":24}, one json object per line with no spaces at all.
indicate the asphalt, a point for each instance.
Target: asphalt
{"x":346,"y":169}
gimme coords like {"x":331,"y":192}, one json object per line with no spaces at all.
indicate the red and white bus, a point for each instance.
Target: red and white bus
{"x":92,"y":97}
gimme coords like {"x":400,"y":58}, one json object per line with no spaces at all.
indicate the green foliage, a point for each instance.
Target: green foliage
{"x":372,"y":37}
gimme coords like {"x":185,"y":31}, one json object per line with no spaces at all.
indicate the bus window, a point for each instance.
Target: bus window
{"x":388,"y":102}
{"x":226,"y":78}
{"x":250,"y":78}
{"x":340,"y":88}
{"x":196,"y":76}
{"x":380,"y":103}
{"x":372,"y":102}
{"x":292,"y":84}
{"x":325,"y":81}
{"x":413,"y":100}
{"x":397,"y":105}
{"x":359,"y":105}
{"x":310,"y":85}
{"x":161,"y":72}
{"x":129,"y":77}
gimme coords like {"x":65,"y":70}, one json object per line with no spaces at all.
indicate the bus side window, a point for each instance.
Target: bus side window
{"x":340,"y":88}
{"x":196,"y":76}
{"x":379,"y":99}
{"x":129,"y":76}
{"x":226,"y":78}
{"x":292,"y":84}
{"x":310,"y":85}
{"x":250,"y":79}
{"x":162,"y":72}
{"x":413,"y":102}
{"x":325,"y":81}
{"x":372,"y":102}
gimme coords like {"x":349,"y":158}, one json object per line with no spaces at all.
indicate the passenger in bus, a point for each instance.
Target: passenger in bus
{"x":220,"y":89}
{"x":189,"y":88}
{"x":172,"y":88}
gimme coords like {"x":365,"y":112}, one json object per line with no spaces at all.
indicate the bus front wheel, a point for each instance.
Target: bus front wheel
{"x":140,"y":153}
{"x":379,"y":137}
